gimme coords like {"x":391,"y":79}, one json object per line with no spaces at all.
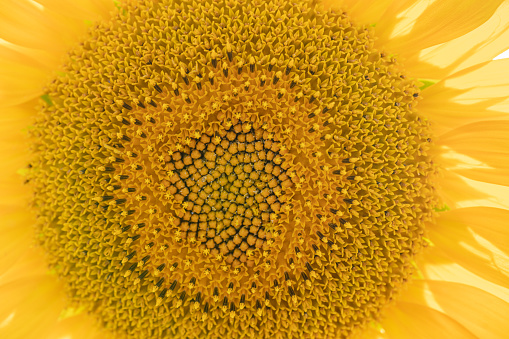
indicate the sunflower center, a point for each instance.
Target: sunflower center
{"x":231,"y":168}
{"x":227,"y":185}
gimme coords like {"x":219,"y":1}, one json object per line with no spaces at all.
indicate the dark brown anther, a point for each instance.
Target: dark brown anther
{"x":157,"y":88}
{"x":206,"y":308}
{"x":296,"y":99}
{"x":346,"y":161}
{"x":290,"y":291}
{"x":242,"y":298}
{"x":163,"y":293}
{"x":342,"y":221}
{"x":125,"y":122}
{"x":312,"y":99}
{"x":311,"y":116}
{"x":126,"y":106}
{"x":141,"y":104}
{"x":123,"y":177}
{"x":239,"y":70}
{"x":107,"y":197}
{"x":143,"y":274}
{"x":225,"y":72}
{"x":119,"y":160}
{"x":133,"y":266}
{"x":131,"y":255}
{"x":333,"y":210}
{"x":292,"y":84}
{"x":126,"y":138}
{"x":337,"y":172}
{"x":188,"y":100}
{"x":136,"y":237}
{"x":131,"y":212}
{"x":126,"y":228}
{"x":211,"y":81}
{"x":262,"y":82}
{"x":275,"y":80}
{"x":120,"y":201}
{"x":320,"y":235}
{"x":141,"y":225}
{"x":198,"y":85}
{"x":186,"y":80}
{"x":134,"y":155}
{"x":198,"y":297}
{"x":137,"y":122}
{"x":173,"y":285}
{"x":159,"y":282}
{"x":168,"y":109}
{"x":308,"y":266}
{"x":333,"y":226}
{"x":143,"y":135}
{"x":152,"y":103}
{"x":351,"y":177}
{"x":161,"y":267}
{"x":348,"y":201}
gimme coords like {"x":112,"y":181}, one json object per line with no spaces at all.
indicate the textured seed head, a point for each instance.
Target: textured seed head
{"x":228,"y":168}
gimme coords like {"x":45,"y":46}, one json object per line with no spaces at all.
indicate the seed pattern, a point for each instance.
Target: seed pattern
{"x":231,"y":168}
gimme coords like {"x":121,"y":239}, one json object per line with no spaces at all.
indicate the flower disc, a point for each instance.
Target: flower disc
{"x":231,"y":168}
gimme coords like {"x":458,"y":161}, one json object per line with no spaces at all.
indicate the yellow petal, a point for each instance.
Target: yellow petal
{"x":436,"y":267}
{"x":409,"y":320}
{"x":483,"y":44}
{"x":23,"y":23}
{"x":488,"y":222}
{"x":441,"y":21}
{"x":15,"y":237}
{"x":478,"y":311}
{"x":474,"y":94}
{"x":454,"y":190}
{"x":80,"y":9}
{"x":20,"y":83}
{"x":366,"y":12}
{"x":481,"y":140}
{"x":80,"y":326}
{"x":454,"y":240}
{"x":36,"y":302}
{"x":487,"y":142}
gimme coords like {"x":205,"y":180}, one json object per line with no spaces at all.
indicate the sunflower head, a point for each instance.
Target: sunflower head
{"x":231,"y":168}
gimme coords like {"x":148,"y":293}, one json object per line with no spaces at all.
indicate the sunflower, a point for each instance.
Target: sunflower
{"x":254,"y":169}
